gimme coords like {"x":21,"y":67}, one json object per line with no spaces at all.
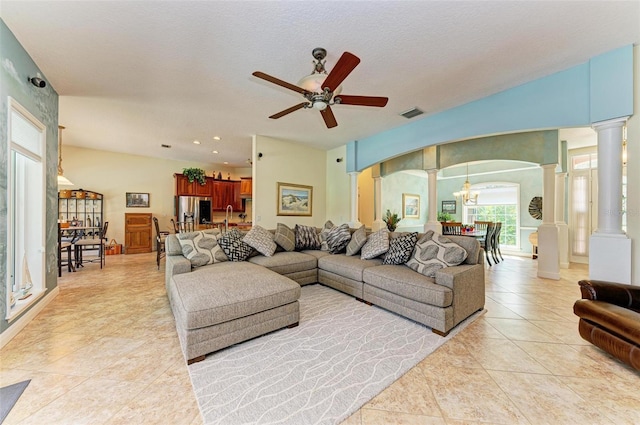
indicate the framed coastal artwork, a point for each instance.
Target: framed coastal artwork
{"x":449,"y":207}
{"x":137,"y":200}
{"x":410,"y":205}
{"x":294,"y":199}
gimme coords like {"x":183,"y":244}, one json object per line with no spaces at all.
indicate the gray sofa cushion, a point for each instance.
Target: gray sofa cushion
{"x":471,"y":245}
{"x":286,"y":262}
{"x":346,"y":266}
{"x":403,"y":281}
{"x":358,"y":239}
{"x":228,"y":291}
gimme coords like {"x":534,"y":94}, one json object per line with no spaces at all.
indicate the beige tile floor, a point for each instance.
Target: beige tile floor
{"x":105,"y":351}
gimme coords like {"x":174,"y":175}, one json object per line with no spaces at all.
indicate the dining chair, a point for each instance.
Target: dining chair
{"x":481,"y":226}
{"x":64,"y":246}
{"x":95,"y":242}
{"x":175,"y":226}
{"x":488,"y":241}
{"x":451,"y":228}
{"x":185,"y":226}
{"x":160,"y":250}
{"x":496,"y":242}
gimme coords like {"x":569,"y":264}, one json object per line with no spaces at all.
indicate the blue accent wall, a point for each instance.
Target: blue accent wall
{"x":597,"y":90}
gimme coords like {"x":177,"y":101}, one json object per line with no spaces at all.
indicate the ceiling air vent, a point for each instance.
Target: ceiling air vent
{"x":165,"y":146}
{"x":413,"y":112}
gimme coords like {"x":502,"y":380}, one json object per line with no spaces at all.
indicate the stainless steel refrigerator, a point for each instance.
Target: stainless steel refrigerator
{"x":195,"y":209}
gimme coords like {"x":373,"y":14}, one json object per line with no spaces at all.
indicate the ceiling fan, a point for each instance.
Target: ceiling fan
{"x":322,"y":90}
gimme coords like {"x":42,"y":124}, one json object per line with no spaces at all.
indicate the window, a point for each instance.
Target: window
{"x":497,"y":202}
{"x":26,"y":210}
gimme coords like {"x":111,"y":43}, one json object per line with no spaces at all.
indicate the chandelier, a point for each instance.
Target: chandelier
{"x":62,"y":180}
{"x":468,"y":197}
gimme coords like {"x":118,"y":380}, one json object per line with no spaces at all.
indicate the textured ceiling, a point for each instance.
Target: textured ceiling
{"x":134,"y":75}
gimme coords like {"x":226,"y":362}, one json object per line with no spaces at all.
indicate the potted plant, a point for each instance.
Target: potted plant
{"x":392,"y":220}
{"x":444,"y":217}
{"x":193,"y":174}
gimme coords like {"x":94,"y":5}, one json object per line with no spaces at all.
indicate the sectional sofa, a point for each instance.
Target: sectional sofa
{"x":221,"y":304}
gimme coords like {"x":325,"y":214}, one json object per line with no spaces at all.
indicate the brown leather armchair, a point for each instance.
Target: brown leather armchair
{"x":610,"y":318}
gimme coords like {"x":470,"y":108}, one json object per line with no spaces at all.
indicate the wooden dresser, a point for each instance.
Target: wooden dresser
{"x":137,"y":233}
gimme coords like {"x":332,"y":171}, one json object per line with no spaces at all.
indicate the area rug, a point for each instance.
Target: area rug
{"x":342,"y":355}
{"x":9,"y":395}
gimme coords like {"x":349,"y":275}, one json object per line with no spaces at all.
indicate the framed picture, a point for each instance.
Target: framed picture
{"x":294,"y":199}
{"x":410,"y":206}
{"x":449,"y":207}
{"x":137,"y":200}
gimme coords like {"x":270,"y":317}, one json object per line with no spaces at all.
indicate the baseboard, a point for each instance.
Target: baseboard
{"x":23,"y":321}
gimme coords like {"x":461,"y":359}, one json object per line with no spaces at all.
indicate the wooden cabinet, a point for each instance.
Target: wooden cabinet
{"x":245,"y":187}
{"x":137,"y":233}
{"x":227,"y":192}
{"x":185,"y":188}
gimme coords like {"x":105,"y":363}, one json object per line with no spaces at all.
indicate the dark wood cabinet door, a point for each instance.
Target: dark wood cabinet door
{"x":137,"y":233}
{"x":203,"y":189}
{"x":183,"y":187}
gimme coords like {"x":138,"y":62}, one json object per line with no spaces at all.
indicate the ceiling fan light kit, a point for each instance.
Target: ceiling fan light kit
{"x":321,"y":90}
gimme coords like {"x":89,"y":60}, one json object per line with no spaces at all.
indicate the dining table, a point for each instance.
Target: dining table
{"x":73,"y":234}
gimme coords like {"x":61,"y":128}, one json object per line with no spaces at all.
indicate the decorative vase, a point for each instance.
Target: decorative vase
{"x":219,"y":175}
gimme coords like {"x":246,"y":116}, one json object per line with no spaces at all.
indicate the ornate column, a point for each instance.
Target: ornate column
{"x":563,"y":228}
{"x":432,"y":216}
{"x":609,"y":246}
{"x":548,"y":257}
{"x":353,"y":210}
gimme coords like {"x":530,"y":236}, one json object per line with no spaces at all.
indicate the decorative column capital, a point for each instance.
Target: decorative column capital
{"x":603,"y":125}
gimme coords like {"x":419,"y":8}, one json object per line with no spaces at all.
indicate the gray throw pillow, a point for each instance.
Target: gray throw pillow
{"x":401,"y":248}
{"x":338,"y":238}
{"x":377,"y":244}
{"x":201,"y":248}
{"x":358,"y":239}
{"x":306,"y":238}
{"x":324,"y":233}
{"x":285,"y":237}
{"x":261,"y":240}
{"x":434,"y":252}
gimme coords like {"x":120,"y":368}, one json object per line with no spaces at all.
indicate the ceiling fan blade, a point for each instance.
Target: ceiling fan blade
{"x":362,"y":100}
{"x":288,"y":111}
{"x":344,"y":66}
{"x":279,"y":82}
{"x":329,"y":118}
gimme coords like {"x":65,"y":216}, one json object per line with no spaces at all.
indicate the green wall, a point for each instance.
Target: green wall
{"x":16,"y":67}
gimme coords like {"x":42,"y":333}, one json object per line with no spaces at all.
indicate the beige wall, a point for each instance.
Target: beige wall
{"x":287,"y":162}
{"x":338,"y":192}
{"x":114,"y":174}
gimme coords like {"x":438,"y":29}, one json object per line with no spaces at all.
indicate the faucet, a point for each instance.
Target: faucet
{"x":226,"y":218}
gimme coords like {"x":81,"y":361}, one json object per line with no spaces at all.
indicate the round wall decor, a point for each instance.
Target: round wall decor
{"x":535,"y":207}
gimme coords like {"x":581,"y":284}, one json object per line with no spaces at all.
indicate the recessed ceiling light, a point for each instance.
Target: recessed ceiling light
{"x":216,"y":137}
{"x":225,"y":162}
{"x":196,"y":142}
{"x":214,"y":151}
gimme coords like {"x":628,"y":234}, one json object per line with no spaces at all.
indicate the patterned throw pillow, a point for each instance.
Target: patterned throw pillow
{"x":338,"y":238}
{"x":324,"y":245}
{"x":261,"y":240}
{"x":377,"y":244}
{"x":201,"y":248}
{"x":401,"y":248}
{"x":434,"y":252}
{"x":285,"y":237}
{"x":232,"y":244}
{"x":306,"y":238}
{"x":358,"y":239}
